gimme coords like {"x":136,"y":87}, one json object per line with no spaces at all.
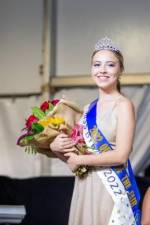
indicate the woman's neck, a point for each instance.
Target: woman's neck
{"x":108,"y":95}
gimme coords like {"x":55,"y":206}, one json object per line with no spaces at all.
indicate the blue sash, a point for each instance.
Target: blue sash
{"x":125,"y":175}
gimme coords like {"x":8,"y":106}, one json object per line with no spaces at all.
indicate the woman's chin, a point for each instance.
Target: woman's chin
{"x":103,"y":85}
{"x":106,"y":87}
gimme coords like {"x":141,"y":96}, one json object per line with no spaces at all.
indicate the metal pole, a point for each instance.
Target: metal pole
{"x":48,"y":67}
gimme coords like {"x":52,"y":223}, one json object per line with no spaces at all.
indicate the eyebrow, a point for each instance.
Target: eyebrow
{"x":106,"y":61}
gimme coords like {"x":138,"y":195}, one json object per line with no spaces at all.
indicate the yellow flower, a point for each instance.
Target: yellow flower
{"x":51,"y":121}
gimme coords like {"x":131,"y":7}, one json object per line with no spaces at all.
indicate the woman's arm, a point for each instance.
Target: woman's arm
{"x":60,"y":156}
{"x":146,"y":208}
{"x":124,"y":141}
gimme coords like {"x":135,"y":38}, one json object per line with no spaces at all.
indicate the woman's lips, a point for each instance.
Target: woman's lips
{"x":103,"y":78}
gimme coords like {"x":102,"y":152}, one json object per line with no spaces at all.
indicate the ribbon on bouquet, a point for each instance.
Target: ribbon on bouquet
{"x":125,"y":174}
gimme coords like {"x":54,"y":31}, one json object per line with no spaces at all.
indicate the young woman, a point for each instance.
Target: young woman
{"x":108,"y":194}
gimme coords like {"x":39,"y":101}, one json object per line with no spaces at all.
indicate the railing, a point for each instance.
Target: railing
{"x":86,"y":81}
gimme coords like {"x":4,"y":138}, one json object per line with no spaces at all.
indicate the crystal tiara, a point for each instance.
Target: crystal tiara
{"x":106,"y":43}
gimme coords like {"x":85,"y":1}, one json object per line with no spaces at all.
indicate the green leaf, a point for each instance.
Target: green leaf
{"x":29,"y":138}
{"x":38,"y":112}
{"x":37,"y":128}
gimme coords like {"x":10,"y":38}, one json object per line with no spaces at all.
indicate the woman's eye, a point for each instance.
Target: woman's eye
{"x":111,"y":65}
{"x":96,"y":64}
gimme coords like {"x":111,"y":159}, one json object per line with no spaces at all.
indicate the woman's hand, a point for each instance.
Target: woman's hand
{"x":62,"y":143}
{"x":72,"y":160}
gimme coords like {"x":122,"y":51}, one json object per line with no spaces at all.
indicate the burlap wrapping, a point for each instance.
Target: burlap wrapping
{"x":67,"y":110}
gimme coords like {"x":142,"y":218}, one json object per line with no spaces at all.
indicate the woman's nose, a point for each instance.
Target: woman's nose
{"x":102,"y":69}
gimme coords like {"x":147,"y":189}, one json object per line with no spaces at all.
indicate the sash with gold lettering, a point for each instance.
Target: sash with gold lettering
{"x":119,"y":179}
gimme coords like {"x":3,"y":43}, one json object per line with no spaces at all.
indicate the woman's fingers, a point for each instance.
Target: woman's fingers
{"x":64,"y":141}
{"x":67,"y":141}
{"x":67,"y":154}
{"x":69,"y":150}
{"x":67,"y":145}
{"x":64,"y":138}
{"x":63,"y":135}
{"x":61,"y":143}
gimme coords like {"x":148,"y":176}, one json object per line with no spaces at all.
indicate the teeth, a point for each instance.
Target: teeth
{"x":103,"y":76}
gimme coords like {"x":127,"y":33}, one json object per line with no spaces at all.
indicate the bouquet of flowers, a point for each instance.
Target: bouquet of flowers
{"x":47,"y":121}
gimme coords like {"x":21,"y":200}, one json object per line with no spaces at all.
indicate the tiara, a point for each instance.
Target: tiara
{"x":106,"y":43}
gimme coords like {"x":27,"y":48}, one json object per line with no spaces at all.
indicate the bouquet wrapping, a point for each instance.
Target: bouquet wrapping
{"x":47,"y":121}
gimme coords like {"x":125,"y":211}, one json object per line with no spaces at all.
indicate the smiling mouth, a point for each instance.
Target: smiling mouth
{"x":103,"y":77}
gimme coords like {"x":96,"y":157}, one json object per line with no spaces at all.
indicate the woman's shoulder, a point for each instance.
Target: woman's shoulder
{"x":124,"y":105}
{"x":124,"y":101}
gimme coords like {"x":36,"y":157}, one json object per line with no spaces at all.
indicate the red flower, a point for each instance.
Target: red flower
{"x":44,"y":106}
{"x":55,"y":101}
{"x":31,"y":120}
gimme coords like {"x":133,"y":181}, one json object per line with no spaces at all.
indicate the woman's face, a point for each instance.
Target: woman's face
{"x":105,"y":69}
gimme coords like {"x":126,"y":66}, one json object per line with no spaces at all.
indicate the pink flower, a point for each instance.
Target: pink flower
{"x":30,"y":120}
{"x":44,"y":106}
{"x":77,"y":134}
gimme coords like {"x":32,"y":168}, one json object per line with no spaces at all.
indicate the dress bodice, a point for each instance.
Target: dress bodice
{"x":107,"y":123}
